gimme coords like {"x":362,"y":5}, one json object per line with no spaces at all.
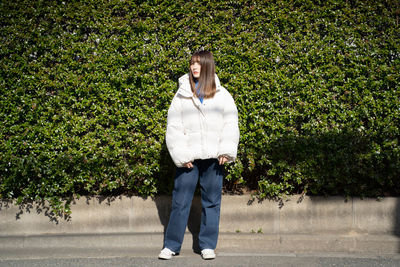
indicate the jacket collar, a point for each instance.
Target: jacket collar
{"x":184,"y":85}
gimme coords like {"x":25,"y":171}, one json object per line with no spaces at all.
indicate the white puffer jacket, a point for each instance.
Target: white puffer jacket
{"x":198,"y":130}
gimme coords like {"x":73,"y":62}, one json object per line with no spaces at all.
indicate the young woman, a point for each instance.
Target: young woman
{"x":202,"y":134}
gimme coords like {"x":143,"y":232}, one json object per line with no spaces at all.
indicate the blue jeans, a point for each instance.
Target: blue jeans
{"x":210,"y":174}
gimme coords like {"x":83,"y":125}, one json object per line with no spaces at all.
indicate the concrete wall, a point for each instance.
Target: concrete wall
{"x":137,"y":215}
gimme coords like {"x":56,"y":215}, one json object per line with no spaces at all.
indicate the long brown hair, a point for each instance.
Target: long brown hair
{"x":207,"y":74}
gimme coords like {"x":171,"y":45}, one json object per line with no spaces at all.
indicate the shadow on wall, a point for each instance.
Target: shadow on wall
{"x":38,"y":206}
{"x":42,"y":207}
{"x":397,"y":223}
{"x":163,"y":204}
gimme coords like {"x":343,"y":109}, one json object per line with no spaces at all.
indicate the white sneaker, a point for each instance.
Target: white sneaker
{"x":208,"y":254}
{"x":166,"y":254}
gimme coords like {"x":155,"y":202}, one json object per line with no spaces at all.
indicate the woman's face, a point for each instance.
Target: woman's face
{"x":195,"y":68}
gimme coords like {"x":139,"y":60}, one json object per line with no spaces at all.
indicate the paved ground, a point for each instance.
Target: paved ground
{"x":148,"y":257}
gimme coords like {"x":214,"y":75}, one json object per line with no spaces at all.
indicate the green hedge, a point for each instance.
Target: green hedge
{"x":85,"y":88}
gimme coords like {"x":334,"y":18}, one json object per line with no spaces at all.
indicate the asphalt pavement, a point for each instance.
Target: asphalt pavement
{"x":148,"y":257}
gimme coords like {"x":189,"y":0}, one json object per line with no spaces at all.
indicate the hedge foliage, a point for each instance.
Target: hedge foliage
{"x":85,"y":88}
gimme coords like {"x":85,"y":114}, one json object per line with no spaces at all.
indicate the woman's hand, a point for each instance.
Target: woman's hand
{"x":188,"y":165}
{"x":222,"y":160}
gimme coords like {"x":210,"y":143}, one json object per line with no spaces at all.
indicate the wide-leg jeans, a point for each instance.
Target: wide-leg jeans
{"x":209,"y":174}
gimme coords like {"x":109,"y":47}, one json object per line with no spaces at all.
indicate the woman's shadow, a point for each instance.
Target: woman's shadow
{"x":164,"y":199}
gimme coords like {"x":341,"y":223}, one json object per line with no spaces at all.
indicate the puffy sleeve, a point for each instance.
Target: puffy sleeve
{"x":176,"y":138}
{"x":230,"y":133}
